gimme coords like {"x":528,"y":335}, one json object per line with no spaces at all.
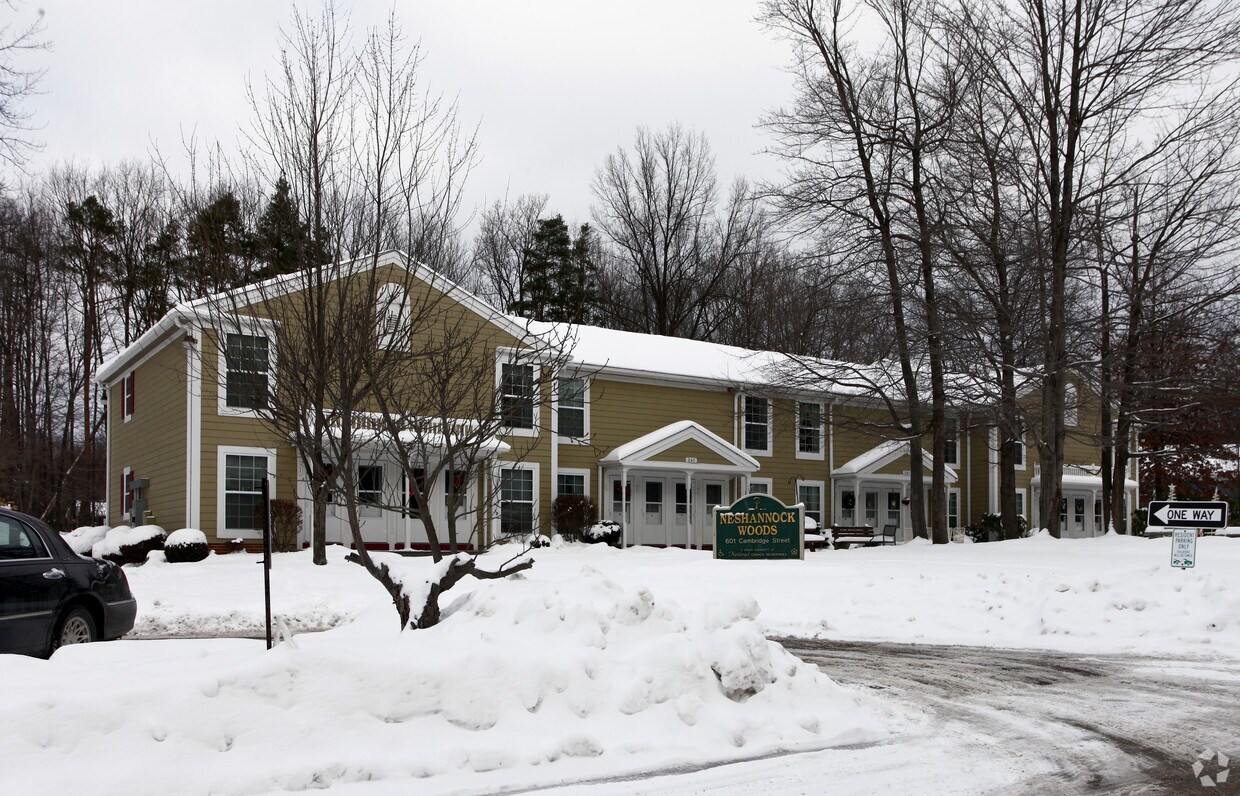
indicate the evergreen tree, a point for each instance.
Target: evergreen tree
{"x":547,"y":258}
{"x":281,"y":240}
{"x":218,"y":245}
{"x":577,"y":298}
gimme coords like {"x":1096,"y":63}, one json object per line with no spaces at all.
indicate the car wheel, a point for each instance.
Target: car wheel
{"x":77,"y":627}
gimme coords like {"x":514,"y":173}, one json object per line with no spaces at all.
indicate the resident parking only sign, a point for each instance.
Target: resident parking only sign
{"x":1184,"y":548}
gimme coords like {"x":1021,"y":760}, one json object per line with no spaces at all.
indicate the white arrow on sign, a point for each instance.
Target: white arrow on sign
{"x":1169,"y":513}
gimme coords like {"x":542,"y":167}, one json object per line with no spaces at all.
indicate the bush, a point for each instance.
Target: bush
{"x":572,"y":514}
{"x":990,"y":529}
{"x":605,"y":531}
{"x":185,"y":546}
{"x":126,"y":545}
{"x":285,"y":525}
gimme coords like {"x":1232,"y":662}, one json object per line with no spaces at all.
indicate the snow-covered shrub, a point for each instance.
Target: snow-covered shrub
{"x":604,"y":531}
{"x":186,"y":546}
{"x":84,"y":538}
{"x":126,"y":545}
{"x":572,"y":514}
{"x":536,"y":540}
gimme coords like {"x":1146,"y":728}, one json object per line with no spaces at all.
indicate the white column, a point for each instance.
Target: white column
{"x":624,"y":507}
{"x":688,"y":510}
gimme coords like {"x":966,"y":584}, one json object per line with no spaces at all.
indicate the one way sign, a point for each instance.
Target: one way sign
{"x":1188,"y":513}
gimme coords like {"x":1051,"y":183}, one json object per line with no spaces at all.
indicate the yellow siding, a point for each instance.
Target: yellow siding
{"x":153,"y":442}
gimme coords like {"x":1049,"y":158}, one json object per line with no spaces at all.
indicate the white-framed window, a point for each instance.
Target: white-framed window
{"x":239,"y":482}
{"x":951,"y":442}
{"x":759,"y":486}
{"x":809,"y":493}
{"x":1071,"y":416}
{"x":681,"y":493}
{"x":369,"y":490}
{"x":756,"y":424}
{"x":572,"y":409}
{"x":653,"y":492}
{"x":246,"y":369}
{"x":1019,"y":451}
{"x":621,"y":496}
{"x":392,"y":316}
{"x":1021,"y":500}
{"x":518,"y":499}
{"x":810,"y":430}
{"x":953,"y":508}
{"x":518,"y":404}
{"x":128,"y":391}
{"x":572,"y":482}
{"x":847,"y":503}
{"x":127,"y":479}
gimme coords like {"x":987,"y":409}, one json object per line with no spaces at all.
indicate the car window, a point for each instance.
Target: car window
{"x":17,"y":541}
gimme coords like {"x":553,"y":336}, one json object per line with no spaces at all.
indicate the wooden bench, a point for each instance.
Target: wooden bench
{"x":864,"y":535}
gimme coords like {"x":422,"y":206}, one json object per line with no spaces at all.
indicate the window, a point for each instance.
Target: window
{"x":369,"y":489}
{"x":759,"y":486}
{"x":757,"y":423}
{"x":571,"y":408}
{"x":682,"y":499}
{"x":516,"y":394}
{"x":248,"y":365}
{"x":953,"y":508}
{"x":1098,"y":528}
{"x":456,"y":490}
{"x":654,"y":502}
{"x":570,"y":484}
{"x":129,"y":384}
{"x":809,"y":430}
{"x":714,"y":496}
{"x":392,"y":317}
{"x":848,"y":507}
{"x":871,"y":508}
{"x":127,"y":479}
{"x":243,"y":491}
{"x":411,"y":500}
{"x":19,"y":542}
{"x":951,"y":445}
{"x":516,"y":501}
{"x":1020,"y":504}
{"x":1018,"y":449}
{"x":810,"y":495}
{"x":893,"y":508}
{"x":1070,"y":415}
{"x":619,"y":494}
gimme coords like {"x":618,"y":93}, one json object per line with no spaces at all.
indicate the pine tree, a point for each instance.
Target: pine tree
{"x":219,"y":245}
{"x":281,"y":240}
{"x":547,"y":258}
{"x":577,"y":297}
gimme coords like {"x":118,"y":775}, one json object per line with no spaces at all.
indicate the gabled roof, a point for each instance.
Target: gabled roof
{"x":645,"y":450}
{"x":200,"y":309}
{"x":882,"y":455}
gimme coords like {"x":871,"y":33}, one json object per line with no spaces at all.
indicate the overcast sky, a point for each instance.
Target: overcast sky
{"x":554,"y":85}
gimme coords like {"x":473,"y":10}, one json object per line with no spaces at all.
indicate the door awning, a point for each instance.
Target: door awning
{"x":881,"y":457}
{"x":682,"y":446}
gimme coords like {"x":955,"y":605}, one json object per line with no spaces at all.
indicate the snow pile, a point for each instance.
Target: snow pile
{"x":185,"y":536}
{"x":123,"y":535}
{"x":84,"y":538}
{"x":525,"y":682}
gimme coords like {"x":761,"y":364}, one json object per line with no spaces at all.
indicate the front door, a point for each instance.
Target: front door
{"x":1072,"y":515}
{"x":655,"y":524}
{"x":706,"y":495}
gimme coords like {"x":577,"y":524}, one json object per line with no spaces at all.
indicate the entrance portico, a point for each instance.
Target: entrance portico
{"x":662,"y":486}
{"x":871,"y":489}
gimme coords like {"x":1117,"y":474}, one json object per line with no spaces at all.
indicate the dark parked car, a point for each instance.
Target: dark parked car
{"x":51,"y":596}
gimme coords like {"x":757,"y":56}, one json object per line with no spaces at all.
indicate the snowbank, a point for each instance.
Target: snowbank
{"x":526,"y":681}
{"x":84,"y":538}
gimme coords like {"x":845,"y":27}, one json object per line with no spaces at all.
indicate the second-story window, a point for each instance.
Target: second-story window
{"x":571,"y":408}
{"x":756,"y":414}
{"x":130,"y":388}
{"x":516,"y":394}
{"x":392,"y":316}
{"x":248,"y":363}
{"x":951,"y":442}
{"x":809,"y":429}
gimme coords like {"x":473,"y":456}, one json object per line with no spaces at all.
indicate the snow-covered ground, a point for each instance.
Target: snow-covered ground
{"x":598,"y":664}
{"x":1110,"y":594}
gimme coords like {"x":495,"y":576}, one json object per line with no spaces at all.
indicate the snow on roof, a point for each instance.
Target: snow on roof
{"x":880,"y":455}
{"x":668,"y":433}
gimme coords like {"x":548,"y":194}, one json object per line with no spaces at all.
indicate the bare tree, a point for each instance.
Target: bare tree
{"x":17,"y":82}
{"x":505,"y":233}
{"x":659,"y":208}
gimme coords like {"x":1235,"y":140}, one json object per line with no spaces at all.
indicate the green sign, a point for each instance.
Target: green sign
{"x":759,"y":526}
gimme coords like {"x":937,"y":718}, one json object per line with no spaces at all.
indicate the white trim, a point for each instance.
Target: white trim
{"x":954,"y":462}
{"x":221,"y":454}
{"x":555,"y":410}
{"x":959,"y":506}
{"x":125,"y":509}
{"x":584,"y":473}
{"x":770,"y":430}
{"x":822,"y":433}
{"x":389,"y":296}
{"x":822,"y":499}
{"x":512,"y":356}
{"x":1023,"y":511}
{"x":193,"y":446}
{"x":499,"y":508}
{"x":128,"y":392}
{"x":992,"y":471}
{"x":1024,"y":449}
{"x":222,"y":330}
{"x":766,"y":482}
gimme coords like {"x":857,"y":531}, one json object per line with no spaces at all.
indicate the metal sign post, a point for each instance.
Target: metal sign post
{"x":267,"y":557}
{"x":1184,"y":548}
